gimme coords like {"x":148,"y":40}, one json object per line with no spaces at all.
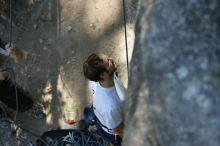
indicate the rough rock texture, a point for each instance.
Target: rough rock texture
{"x":174,"y":96}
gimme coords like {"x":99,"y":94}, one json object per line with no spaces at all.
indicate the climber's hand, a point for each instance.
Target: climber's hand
{"x":14,"y":52}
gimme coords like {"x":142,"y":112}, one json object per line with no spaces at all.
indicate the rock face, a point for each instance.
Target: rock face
{"x":174,"y":96}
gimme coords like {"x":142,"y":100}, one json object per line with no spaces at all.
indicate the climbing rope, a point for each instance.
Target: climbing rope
{"x":80,"y":138}
{"x":13,"y":78}
{"x":10,"y":34}
{"x":73,"y":138}
{"x":126,"y":41}
{"x":13,"y":74}
{"x":26,"y":130}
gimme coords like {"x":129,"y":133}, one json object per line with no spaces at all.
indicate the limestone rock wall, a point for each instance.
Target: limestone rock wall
{"x":174,"y":96}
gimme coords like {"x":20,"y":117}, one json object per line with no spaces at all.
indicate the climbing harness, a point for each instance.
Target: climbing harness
{"x":91,"y":119}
